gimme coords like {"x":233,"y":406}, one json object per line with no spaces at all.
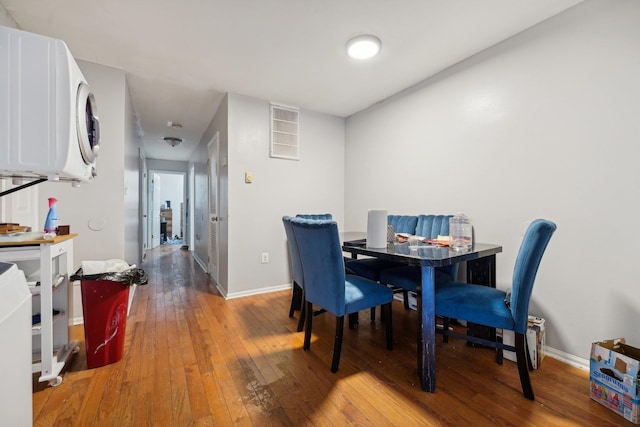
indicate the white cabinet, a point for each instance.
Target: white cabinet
{"x":47,"y":266}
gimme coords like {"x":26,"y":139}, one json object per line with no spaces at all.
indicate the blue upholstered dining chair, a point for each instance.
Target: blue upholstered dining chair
{"x":297,"y":295}
{"x":407,"y":277}
{"x":491,"y":307}
{"x":327,"y":285}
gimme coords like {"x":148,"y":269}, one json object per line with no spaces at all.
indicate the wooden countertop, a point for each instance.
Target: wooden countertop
{"x":34,"y":242}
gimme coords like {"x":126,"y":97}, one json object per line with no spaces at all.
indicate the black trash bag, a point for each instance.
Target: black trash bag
{"x":134,"y":276}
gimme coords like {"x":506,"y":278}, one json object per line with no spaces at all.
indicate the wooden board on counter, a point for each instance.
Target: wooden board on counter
{"x":34,"y":242}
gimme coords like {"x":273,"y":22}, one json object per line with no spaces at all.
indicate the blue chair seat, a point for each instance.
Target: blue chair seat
{"x":408,"y":276}
{"x":474,"y":303}
{"x":361,"y":293}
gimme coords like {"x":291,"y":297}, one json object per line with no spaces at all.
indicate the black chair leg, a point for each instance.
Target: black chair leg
{"x":523,"y":369}
{"x":373,"y":314}
{"x":337,"y":345}
{"x":307,"y":331}
{"x":387,"y":309}
{"x":405,"y":296}
{"x":445,"y":329}
{"x":296,"y":299}
{"x":499,"y":352}
{"x":303,"y":314}
{"x":353,"y":320}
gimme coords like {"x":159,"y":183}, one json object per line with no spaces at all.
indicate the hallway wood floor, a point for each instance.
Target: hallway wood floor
{"x":192,"y":358}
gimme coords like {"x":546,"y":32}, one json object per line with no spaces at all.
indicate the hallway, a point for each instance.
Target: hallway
{"x":192,"y":358}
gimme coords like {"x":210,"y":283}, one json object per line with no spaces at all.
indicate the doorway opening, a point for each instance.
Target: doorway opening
{"x":168,"y":208}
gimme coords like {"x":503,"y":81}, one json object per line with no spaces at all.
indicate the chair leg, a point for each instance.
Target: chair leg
{"x":373,"y":314}
{"x":303,"y":314}
{"x":445,"y":329}
{"x":499,"y":352}
{"x":387,"y":309}
{"x":405,"y":296}
{"x":296,"y":299}
{"x":353,"y":320}
{"x":307,"y":331}
{"x":337,"y":345}
{"x":523,"y":369}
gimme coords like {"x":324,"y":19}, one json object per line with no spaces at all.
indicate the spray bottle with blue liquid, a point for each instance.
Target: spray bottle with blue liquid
{"x":51,"y":223}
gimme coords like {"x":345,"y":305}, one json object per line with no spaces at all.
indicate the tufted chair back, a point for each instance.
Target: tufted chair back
{"x":403,"y":223}
{"x":315,"y":216}
{"x":431,"y":226}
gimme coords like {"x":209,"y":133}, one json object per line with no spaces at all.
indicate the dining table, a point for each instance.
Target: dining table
{"x":480,"y":268}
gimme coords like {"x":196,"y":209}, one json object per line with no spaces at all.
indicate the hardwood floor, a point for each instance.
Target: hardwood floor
{"x":192,"y":358}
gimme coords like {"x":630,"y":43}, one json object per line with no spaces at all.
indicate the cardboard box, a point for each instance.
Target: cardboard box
{"x":535,"y":341}
{"x":615,"y":378}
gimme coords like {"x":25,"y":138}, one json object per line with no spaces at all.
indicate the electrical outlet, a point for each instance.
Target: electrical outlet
{"x":265,"y":257}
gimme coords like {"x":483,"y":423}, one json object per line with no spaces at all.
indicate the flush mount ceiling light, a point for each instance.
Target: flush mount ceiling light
{"x":363,"y":47}
{"x":172,"y":141}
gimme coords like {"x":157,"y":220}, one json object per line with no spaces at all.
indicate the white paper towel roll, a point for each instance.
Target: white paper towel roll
{"x":377,"y":228}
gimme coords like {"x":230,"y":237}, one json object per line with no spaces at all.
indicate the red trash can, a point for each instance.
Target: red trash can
{"x":104,"y":307}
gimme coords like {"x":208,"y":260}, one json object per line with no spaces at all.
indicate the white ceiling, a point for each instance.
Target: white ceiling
{"x":180,"y":57}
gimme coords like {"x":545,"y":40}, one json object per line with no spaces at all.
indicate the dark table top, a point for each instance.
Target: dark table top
{"x":424,"y":254}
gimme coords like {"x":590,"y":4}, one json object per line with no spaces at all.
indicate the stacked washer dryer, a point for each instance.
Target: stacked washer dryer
{"x":48,"y":123}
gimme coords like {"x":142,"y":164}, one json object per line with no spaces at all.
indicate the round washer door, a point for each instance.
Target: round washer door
{"x":87,"y":124}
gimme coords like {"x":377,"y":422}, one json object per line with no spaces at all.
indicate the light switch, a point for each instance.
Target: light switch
{"x":248,"y":177}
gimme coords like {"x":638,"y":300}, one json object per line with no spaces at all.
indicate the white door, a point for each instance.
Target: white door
{"x":213,"y":207}
{"x":21,"y":206}
{"x":144,"y":205}
{"x":155,"y":210}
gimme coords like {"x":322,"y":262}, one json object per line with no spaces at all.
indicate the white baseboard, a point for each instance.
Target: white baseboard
{"x":569,"y":359}
{"x":198,"y":261}
{"x":255,"y":291}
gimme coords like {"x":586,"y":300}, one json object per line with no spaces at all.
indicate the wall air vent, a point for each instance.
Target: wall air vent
{"x":284,"y":132}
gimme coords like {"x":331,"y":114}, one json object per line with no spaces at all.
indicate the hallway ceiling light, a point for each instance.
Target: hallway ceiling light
{"x":172,"y":141}
{"x":363,"y":47}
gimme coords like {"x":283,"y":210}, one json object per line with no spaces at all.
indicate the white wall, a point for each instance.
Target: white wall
{"x":251,"y":214}
{"x":280,"y":187}
{"x":542,"y":125}
{"x":5,"y":19}
{"x":133,"y":220}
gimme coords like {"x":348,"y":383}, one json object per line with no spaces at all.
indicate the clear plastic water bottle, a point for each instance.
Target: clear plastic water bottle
{"x":460,"y":232}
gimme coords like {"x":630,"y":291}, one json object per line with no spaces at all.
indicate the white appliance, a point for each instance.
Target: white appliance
{"x":48,"y":123}
{"x":15,"y":358}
